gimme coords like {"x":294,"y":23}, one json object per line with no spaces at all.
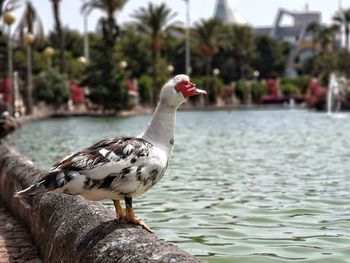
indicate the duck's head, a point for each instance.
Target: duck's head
{"x":177,"y":89}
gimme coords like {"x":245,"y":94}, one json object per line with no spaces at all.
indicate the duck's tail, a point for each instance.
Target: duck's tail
{"x":49,"y":183}
{"x":32,"y":190}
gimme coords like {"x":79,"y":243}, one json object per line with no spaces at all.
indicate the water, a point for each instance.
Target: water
{"x":242,"y":186}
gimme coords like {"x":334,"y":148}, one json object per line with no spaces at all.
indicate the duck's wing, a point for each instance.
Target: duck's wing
{"x":99,"y":166}
{"x":106,"y":156}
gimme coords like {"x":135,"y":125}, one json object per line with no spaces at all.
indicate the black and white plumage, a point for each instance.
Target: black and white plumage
{"x":122,"y":168}
{"x":109,"y":169}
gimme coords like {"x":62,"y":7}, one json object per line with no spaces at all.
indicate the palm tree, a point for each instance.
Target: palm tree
{"x":154,"y":20}
{"x":8,"y":7}
{"x":208,"y":33}
{"x":31,"y":23}
{"x":241,"y":39}
{"x":314,"y":28}
{"x":326,"y":37}
{"x":30,"y":28}
{"x":102,"y":73}
{"x":60,"y":35}
{"x":335,"y":30}
{"x":108,"y":26}
{"x":343,"y":19}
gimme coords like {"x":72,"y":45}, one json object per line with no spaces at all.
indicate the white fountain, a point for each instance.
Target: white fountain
{"x":335,"y":87}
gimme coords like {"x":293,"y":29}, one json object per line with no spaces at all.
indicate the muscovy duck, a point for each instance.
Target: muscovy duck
{"x":122,"y":168}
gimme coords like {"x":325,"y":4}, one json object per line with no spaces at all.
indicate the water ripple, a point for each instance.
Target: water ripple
{"x":268,"y":186}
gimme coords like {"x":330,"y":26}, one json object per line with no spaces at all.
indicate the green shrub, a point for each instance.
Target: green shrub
{"x":243,"y":91}
{"x":258,"y":90}
{"x":302,"y":83}
{"x":51,"y":87}
{"x":214,"y":86}
{"x":104,"y":77}
{"x":145,"y":89}
{"x":289,"y":89}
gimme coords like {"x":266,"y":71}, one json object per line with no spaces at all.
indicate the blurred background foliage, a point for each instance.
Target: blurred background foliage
{"x":153,"y":49}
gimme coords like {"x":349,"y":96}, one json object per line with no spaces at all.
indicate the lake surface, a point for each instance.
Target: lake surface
{"x":242,"y":186}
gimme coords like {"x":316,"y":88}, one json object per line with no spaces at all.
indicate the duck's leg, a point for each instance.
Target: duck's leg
{"x":119,"y":210}
{"x":130,"y":216}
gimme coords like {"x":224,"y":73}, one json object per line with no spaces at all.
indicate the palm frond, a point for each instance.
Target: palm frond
{"x":30,"y":22}
{"x":108,"y":6}
{"x":12,"y":5}
{"x":154,"y":19}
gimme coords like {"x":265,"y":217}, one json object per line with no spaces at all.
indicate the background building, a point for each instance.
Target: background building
{"x":226,"y":15}
{"x":295,"y":34}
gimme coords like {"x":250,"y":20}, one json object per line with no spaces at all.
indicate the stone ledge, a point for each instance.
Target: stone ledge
{"x":71,"y":229}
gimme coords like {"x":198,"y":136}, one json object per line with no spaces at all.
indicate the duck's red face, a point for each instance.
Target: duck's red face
{"x":188,"y":89}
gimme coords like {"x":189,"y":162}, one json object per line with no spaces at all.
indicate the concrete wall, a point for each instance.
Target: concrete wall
{"x":71,"y":229}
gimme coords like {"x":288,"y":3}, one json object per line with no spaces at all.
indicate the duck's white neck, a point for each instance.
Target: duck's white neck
{"x":161,"y":129}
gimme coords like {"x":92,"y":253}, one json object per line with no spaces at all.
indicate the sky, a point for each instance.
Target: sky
{"x":256,"y":12}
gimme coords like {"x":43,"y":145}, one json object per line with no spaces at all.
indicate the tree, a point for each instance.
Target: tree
{"x":51,"y":88}
{"x":270,"y":56}
{"x":105,"y":78}
{"x":154,"y":20}
{"x":31,"y":23}
{"x":5,"y":6}
{"x":208,"y":35}
{"x":60,"y":35}
{"x":327,"y":36}
{"x":342,"y":17}
{"x":74,"y":49}
{"x":133,"y":48}
{"x":102,"y":73}
{"x":313,"y":28}
{"x":344,"y":62}
{"x":324,"y":64}
{"x":29,"y":28}
{"x":73,"y":41}
{"x":174,"y":51}
{"x":238,"y":45}
{"x":334,"y":31}
{"x":107,"y":25}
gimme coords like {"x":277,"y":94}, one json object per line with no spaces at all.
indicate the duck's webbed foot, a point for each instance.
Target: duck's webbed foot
{"x":130,"y":216}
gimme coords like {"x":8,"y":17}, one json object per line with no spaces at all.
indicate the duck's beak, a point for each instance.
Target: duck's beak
{"x":189,"y":89}
{"x":194,"y":91}
{"x":199,"y":91}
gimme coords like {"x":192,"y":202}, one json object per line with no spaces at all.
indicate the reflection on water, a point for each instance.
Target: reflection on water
{"x":247,"y":186}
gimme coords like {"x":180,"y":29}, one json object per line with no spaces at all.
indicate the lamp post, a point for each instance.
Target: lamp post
{"x":86,"y":36}
{"x":188,"y":55}
{"x":82,"y":60}
{"x":171,"y":69}
{"x":216,"y":72}
{"x":256,"y":74}
{"x":28,"y":41}
{"x":123,"y":64}
{"x":48,"y":53}
{"x":9,"y":19}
